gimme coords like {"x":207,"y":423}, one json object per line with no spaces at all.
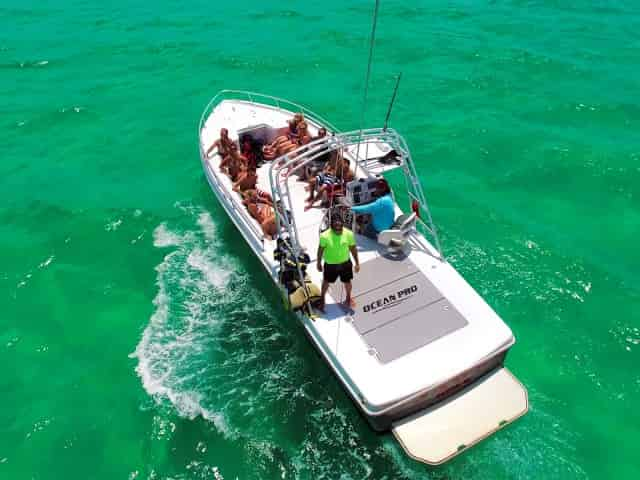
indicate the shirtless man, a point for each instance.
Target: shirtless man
{"x":347,"y":173}
{"x":222,"y":144}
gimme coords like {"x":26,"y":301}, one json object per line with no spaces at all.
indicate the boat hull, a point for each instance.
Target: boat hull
{"x":438,"y":397}
{"x":379,"y":421}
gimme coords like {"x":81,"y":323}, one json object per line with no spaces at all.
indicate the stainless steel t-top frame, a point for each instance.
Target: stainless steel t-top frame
{"x":282,"y":167}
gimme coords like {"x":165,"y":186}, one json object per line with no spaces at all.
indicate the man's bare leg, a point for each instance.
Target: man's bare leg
{"x":348,"y":301}
{"x":323,"y":293}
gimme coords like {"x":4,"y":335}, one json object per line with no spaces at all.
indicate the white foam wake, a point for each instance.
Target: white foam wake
{"x":191,"y":281}
{"x":214,"y":347}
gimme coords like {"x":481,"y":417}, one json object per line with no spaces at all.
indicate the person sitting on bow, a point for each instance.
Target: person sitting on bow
{"x":233,"y":163}
{"x":290,"y":137}
{"x":265,"y":215}
{"x":248,"y":152}
{"x":222,"y":144}
{"x":256,"y":196}
{"x":303,"y":139}
{"x":247,"y":179}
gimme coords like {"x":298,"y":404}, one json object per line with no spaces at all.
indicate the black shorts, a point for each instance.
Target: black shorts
{"x":343,"y":270}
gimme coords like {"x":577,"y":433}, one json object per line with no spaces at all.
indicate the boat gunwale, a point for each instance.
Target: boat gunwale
{"x":227,"y":94}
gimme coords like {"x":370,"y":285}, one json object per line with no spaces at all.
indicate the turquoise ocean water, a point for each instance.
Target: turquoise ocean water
{"x":140,"y":339}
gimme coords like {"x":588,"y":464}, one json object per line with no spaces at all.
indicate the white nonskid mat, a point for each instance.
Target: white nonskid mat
{"x":398,"y":309}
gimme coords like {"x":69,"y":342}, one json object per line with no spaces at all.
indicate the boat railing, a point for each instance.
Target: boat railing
{"x":284,"y":166}
{"x":260,"y":99}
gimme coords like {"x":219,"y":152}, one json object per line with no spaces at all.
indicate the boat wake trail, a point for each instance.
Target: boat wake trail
{"x":176,"y":346}
{"x":216,"y":347}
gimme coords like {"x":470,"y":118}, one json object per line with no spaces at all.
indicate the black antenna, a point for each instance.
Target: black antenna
{"x":393,"y":99}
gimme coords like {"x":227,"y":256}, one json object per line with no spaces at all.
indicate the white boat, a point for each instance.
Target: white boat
{"x":422,"y":354}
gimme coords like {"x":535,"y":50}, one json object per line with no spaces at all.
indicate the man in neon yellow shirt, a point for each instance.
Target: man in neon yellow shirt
{"x":335,"y":245}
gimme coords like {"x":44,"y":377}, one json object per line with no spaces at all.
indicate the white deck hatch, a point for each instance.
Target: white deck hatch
{"x":401,"y":313}
{"x":439,"y":433}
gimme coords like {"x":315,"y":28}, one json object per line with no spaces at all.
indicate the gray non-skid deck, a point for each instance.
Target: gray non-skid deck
{"x":398,"y":309}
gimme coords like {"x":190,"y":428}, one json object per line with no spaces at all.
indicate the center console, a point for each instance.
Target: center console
{"x":361,"y":192}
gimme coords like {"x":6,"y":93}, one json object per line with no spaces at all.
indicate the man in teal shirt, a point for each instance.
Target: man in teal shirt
{"x":382,"y":211}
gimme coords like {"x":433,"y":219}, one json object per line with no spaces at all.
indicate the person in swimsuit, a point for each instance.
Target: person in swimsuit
{"x":294,"y":125}
{"x":272,"y":150}
{"x":290,"y":145}
{"x":234,"y":163}
{"x":334,"y":174}
{"x":222,"y":144}
{"x":303,"y":138}
{"x":258,"y":210}
{"x":269,"y":227}
{"x":265,"y":215}
{"x":227,"y":159}
{"x":256,"y":196}
{"x":347,"y":173}
{"x":247,"y":179}
{"x":248,"y":153}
